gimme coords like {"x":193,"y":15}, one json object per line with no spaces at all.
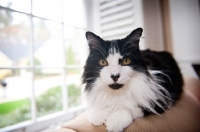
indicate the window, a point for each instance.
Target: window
{"x":42,"y":52}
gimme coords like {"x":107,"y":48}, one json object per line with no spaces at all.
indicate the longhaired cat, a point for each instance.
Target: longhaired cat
{"x":123,"y":83}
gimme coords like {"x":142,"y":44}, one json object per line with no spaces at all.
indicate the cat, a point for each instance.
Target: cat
{"x":123,"y":83}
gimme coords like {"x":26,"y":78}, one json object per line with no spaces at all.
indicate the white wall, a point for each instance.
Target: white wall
{"x":153,"y":24}
{"x":93,"y":16}
{"x":185,"y":22}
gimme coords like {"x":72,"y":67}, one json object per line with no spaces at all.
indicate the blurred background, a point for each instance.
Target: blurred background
{"x":43,"y":50}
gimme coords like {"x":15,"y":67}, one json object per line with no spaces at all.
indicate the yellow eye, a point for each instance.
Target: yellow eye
{"x":126,"y":61}
{"x":103,"y":62}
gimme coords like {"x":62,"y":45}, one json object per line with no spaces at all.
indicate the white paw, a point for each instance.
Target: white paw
{"x":118,"y":121}
{"x":97,"y":119}
{"x":114,"y":127}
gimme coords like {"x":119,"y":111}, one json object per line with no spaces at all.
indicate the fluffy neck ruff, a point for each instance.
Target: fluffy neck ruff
{"x":141,"y":91}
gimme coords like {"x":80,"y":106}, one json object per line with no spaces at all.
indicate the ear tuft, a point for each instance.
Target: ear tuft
{"x":93,"y":39}
{"x":138,"y":32}
{"x":134,"y":36}
{"x":89,"y":35}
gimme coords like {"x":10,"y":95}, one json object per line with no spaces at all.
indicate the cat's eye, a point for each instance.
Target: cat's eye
{"x":103,"y":62}
{"x":126,"y":61}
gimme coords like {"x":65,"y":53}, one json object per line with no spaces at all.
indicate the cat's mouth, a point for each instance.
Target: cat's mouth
{"x":115,"y":86}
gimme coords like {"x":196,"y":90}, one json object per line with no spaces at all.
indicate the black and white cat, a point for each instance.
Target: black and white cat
{"x":124,"y":83}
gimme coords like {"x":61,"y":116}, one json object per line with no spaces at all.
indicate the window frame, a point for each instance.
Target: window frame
{"x":40,"y":123}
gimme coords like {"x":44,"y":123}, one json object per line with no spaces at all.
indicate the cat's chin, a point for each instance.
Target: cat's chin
{"x":115,"y":86}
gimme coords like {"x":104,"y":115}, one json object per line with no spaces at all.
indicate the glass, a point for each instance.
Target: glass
{"x":48,"y":47}
{"x":73,"y":80}
{"x":51,"y":9}
{"x":14,"y":39}
{"x":15,"y":105}
{"x":48,"y":90}
{"x":75,"y":45}
{"x":19,"y":5}
{"x":74,"y":13}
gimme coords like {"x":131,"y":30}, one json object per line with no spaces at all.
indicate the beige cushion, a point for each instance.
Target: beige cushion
{"x":183,"y":117}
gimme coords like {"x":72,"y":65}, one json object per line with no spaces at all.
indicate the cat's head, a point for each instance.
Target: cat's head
{"x":111,"y":64}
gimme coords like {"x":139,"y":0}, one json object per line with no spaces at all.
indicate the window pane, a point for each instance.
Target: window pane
{"x":48,"y":48}
{"x":15,"y":105}
{"x":19,"y":5}
{"x":74,"y":13}
{"x":48,"y":88}
{"x":51,"y":9}
{"x":14,"y":39}
{"x":74,"y":43}
{"x":73,"y":80}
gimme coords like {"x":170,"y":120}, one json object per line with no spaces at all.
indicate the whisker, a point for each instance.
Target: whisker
{"x":125,"y":45}
{"x":94,"y":54}
{"x":130,"y":47}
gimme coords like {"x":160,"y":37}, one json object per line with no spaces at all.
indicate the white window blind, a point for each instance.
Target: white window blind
{"x":116,"y":18}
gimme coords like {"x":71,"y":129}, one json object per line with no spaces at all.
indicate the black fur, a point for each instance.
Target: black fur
{"x":173,"y":82}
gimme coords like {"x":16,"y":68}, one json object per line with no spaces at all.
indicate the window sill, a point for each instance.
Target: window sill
{"x":44,"y":122}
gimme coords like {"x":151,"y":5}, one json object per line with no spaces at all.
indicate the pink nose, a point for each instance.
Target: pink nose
{"x":115,"y":77}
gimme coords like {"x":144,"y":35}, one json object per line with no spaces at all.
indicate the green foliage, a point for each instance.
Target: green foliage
{"x":15,"y":116}
{"x":70,"y":56}
{"x":36,"y":63}
{"x":9,"y":106}
{"x":48,"y":102}
{"x":74,"y":95}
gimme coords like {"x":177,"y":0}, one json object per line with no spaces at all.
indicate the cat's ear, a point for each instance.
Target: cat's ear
{"x":134,"y":36}
{"x":93,"y":40}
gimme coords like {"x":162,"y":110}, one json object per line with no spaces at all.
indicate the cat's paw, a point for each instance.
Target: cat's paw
{"x":114,"y":127}
{"x":97,"y":119}
{"x":118,"y":121}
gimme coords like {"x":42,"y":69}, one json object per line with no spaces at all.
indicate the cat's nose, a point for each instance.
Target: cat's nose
{"x":115,"y":77}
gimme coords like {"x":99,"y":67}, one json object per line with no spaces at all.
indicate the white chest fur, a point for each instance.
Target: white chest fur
{"x":109,"y":107}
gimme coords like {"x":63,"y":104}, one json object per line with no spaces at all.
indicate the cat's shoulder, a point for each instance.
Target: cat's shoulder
{"x":149,"y":52}
{"x":157,"y":58}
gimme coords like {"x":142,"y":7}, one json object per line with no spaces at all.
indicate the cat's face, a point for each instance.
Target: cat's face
{"x":112,"y":64}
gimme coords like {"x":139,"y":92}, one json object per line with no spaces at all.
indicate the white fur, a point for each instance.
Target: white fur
{"x":118,"y":108}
